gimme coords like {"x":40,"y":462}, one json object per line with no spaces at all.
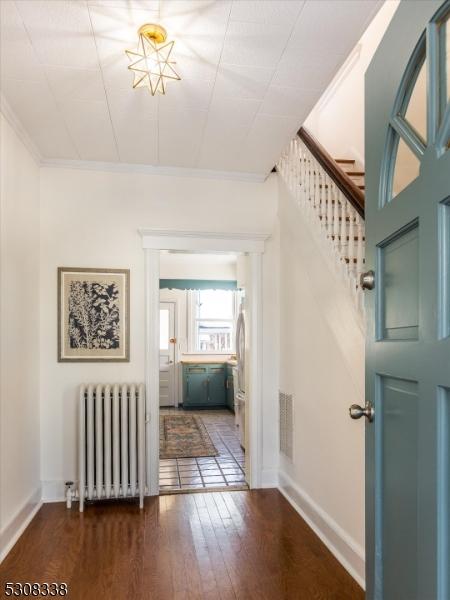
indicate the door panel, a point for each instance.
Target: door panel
{"x":167,"y":354}
{"x":444,"y":268}
{"x":398,"y":282}
{"x":397,"y":410}
{"x":443,"y":492}
{"x":216,"y":385}
{"x":408,"y":344}
{"x":196,"y":388}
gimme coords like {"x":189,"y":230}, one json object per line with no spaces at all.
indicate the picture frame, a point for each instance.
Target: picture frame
{"x":93,"y":315}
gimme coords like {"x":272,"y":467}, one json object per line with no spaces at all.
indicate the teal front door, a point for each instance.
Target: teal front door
{"x":408,"y":308}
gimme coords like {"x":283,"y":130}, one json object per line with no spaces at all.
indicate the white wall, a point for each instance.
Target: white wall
{"x":322,"y":365}
{"x":337,"y":120}
{"x":198,"y":266}
{"x":19,"y":324}
{"x":91,"y":218}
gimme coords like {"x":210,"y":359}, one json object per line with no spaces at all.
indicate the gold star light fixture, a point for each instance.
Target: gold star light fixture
{"x":151,"y":62}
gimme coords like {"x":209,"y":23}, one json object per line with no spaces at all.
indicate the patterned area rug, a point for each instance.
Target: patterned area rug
{"x":184,"y":436}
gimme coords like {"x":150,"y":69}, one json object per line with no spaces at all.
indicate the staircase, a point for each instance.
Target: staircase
{"x":330,"y":194}
{"x":348,"y":166}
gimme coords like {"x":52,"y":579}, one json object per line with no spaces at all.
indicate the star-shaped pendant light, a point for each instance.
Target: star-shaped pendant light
{"x":151,"y":62}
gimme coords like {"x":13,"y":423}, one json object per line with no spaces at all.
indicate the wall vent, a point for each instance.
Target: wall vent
{"x":286,"y":424}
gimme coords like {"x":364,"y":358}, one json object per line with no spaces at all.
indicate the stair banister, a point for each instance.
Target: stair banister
{"x":331,"y":202}
{"x":348,"y":187}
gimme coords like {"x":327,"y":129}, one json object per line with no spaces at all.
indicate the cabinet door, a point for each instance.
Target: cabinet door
{"x":196,"y":388}
{"x":217,"y":391}
{"x":230,"y":391}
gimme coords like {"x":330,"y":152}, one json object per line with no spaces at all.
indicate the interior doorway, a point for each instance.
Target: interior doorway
{"x":251,"y":245}
{"x":202,"y":433}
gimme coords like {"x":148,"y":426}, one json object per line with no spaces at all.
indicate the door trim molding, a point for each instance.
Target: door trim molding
{"x":155,"y":240}
{"x":202,"y":241}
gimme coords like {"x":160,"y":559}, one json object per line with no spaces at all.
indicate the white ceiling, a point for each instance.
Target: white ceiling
{"x":251,"y":72}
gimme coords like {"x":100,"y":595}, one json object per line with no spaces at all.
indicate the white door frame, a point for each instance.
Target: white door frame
{"x":155,"y":240}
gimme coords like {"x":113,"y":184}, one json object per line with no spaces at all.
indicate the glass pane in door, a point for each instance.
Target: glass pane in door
{"x":407,"y":167}
{"x":416,"y":113}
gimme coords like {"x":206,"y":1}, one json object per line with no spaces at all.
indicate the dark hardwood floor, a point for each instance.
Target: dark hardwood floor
{"x":222,"y":545}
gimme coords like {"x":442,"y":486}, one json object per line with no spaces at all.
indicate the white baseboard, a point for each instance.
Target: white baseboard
{"x":269,"y":478}
{"x":348,"y":552}
{"x":17,"y":525}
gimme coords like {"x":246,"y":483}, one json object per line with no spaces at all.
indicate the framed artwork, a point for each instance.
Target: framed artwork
{"x":93,"y":315}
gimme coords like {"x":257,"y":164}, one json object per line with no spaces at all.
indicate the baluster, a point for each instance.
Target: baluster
{"x":308,"y":179}
{"x":325,"y":205}
{"x":316,"y":187}
{"x":336,"y":219}
{"x":343,"y":227}
{"x":322,"y":191}
{"x":302,"y":167}
{"x":330,"y":209}
{"x":351,"y":237}
{"x":359,"y":248}
{"x":316,"y":178}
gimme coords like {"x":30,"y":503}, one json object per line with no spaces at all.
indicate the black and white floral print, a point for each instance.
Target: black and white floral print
{"x":94,"y":317}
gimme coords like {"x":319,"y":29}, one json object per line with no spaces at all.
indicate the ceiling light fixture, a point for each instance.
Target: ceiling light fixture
{"x":150,"y":61}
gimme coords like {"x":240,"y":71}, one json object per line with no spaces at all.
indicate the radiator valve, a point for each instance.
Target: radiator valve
{"x":69,"y":493}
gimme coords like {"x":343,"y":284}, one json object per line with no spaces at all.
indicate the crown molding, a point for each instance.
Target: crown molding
{"x":19,"y":129}
{"x":113,"y":167}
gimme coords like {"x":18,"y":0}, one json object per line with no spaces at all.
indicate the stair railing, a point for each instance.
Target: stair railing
{"x":333,"y":204}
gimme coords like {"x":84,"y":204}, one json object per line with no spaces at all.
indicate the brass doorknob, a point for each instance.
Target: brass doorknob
{"x":367,"y":280}
{"x":356,"y":411}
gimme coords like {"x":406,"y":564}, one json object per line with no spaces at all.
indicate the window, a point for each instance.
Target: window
{"x":163,"y":328}
{"x":213,"y":316}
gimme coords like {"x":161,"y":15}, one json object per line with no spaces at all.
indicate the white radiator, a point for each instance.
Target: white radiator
{"x":111,"y":442}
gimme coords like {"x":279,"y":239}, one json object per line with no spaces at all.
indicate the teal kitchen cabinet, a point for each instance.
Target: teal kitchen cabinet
{"x":204,"y":385}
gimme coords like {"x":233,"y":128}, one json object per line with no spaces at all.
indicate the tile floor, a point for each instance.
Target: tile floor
{"x":223,"y":471}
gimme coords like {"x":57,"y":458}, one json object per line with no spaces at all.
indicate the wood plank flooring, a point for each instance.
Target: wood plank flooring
{"x":221,"y":545}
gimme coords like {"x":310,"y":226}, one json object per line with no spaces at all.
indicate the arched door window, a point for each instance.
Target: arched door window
{"x":420,"y":119}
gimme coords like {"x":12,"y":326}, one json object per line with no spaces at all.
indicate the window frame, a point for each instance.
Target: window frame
{"x":192,"y":302}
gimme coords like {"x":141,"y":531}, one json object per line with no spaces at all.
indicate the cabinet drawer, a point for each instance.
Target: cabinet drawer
{"x":195,"y":369}
{"x":217,"y":370}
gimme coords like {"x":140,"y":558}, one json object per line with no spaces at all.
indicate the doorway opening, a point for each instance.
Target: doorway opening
{"x":202,"y":430}
{"x":249,"y":246}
